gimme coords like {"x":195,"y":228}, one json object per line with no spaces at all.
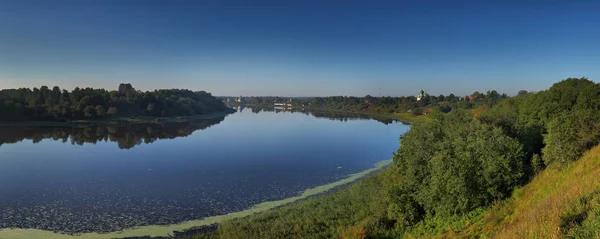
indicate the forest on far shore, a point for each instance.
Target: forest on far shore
{"x":45,"y":104}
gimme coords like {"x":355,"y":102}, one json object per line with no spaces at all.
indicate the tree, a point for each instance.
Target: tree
{"x":522,"y":92}
{"x":89,"y":111}
{"x":451,"y":98}
{"x":124,"y":88}
{"x":112,"y":111}
{"x":444,"y":108}
{"x":559,"y":123}
{"x":417,"y":111}
{"x":537,"y":163}
{"x":150,"y":108}
{"x":570,"y":134}
{"x":100,"y":111}
{"x":453,"y":163}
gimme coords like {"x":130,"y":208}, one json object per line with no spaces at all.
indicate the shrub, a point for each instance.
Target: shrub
{"x":417,"y":111}
{"x":453,"y":164}
{"x":112,"y":111}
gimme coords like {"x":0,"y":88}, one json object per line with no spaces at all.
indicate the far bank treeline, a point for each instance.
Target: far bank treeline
{"x":45,"y":104}
{"x":381,"y":105}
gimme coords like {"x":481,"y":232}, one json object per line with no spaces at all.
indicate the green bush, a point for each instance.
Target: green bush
{"x":453,"y":164}
{"x":417,"y":111}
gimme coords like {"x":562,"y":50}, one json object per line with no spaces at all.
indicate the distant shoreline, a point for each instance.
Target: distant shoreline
{"x":120,"y":120}
{"x":406,"y":118}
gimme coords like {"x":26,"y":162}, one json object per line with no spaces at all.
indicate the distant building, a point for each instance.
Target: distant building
{"x":421,"y":95}
{"x":286,"y":104}
{"x":472,"y":98}
{"x":239,"y":100}
{"x":370,"y":101}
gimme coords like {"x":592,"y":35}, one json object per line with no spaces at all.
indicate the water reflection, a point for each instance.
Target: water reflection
{"x":129,"y":136}
{"x":332,"y":115}
{"x":126,"y":136}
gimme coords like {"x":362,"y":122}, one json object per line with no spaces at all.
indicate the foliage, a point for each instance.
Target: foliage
{"x":564,"y":120}
{"x":537,"y":163}
{"x":453,"y":164}
{"x":112,"y":111}
{"x":561,"y":201}
{"x":44,"y":104}
{"x":347,"y":213}
{"x":445,"y":108}
{"x":417,"y":111}
{"x":562,"y":140}
{"x":522,"y":92}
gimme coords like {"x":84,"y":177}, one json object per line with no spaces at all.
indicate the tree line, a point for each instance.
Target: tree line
{"x":45,"y":104}
{"x":384,"y":104}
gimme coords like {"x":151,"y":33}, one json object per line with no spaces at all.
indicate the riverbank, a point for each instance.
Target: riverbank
{"x":162,"y":231}
{"x":119,"y":120}
{"x":404,"y":117}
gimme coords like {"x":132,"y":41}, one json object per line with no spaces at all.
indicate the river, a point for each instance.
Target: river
{"x":112,"y":178}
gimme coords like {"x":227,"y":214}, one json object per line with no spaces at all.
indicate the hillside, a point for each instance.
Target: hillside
{"x":558,"y":202}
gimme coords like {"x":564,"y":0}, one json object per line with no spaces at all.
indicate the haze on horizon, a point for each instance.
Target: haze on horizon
{"x":307,"y":48}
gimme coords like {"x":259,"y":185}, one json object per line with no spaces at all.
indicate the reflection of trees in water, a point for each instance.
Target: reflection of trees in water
{"x":126,"y":136}
{"x":332,"y":115}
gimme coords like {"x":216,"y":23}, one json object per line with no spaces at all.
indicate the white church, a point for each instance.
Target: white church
{"x":421,"y":95}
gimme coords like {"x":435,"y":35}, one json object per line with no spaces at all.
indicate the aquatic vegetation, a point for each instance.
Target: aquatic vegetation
{"x":159,"y":220}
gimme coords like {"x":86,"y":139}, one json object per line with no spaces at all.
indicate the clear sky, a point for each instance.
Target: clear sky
{"x":299,"y":48}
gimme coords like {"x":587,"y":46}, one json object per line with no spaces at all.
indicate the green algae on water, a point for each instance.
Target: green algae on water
{"x":167,"y":230}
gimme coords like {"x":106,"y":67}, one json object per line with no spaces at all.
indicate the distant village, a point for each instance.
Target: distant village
{"x":281,"y":101}
{"x":420,"y":104}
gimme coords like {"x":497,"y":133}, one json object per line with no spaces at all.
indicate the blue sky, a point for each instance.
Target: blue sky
{"x":299,"y":48}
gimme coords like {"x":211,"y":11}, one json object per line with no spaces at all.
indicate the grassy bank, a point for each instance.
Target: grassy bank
{"x":351,"y":212}
{"x":119,"y":120}
{"x":405,"y":116}
{"x":560,"y":202}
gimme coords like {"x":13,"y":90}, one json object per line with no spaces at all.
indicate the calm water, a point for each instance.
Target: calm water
{"x":101,"y":179}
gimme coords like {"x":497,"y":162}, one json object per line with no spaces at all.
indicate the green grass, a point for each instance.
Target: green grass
{"x":351,"y":212}
{"x":410,"y":117}
{"x":477,"y":111}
